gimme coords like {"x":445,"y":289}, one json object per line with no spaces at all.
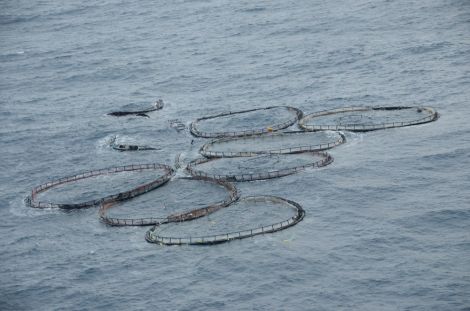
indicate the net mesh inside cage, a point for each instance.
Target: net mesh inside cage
{"x":258,"y":167}
{"x":99,"y":186}
{"x":248,"y":217}
{"x":275,"y":143}
{"x":246,"y":122}
{"x":181,"y":199}
{"x":363,"y":119}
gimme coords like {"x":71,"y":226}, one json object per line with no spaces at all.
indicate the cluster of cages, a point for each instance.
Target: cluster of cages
{"x":225,"y":180}
{"x":109,"y":201}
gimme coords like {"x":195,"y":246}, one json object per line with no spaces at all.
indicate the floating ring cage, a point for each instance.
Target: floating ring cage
{"x":143,"y":188}
{"x":363,"y":119}
{"x":154,"y":235}
{"x":276,"y":143}
{"x":245,"y":122}
{"x":175,"y":217}
{"x":259,"y":167}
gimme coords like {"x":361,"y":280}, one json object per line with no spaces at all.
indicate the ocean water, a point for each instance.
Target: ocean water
{"x":387,"y":225}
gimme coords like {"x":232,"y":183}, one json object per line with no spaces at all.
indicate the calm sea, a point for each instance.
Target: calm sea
{"x":387,"y":225}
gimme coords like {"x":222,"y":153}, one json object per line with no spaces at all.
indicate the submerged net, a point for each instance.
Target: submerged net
{"x":131,"y":147}
{"x":258,"y":167}
{"x":91,"y":186}
{"x":149,"y":140}
{"x":177,"y":124}
{"x":248,"y":217}
{"x":361,"y":119}
{"x":276,"y":143}
{"x":246,"y":122}
{"x":179,"y":200}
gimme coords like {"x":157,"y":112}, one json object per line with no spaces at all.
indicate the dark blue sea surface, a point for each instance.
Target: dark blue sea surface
{"x":387,"y":225}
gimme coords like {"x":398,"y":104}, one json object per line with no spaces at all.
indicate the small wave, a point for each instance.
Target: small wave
{"x":18,"y":208}
{"x":295,"y":31}
{"x":426,"y":48}
{"x":104,"y":143}
{"x":449,"y":217}
{"x":9,"y":19}
{"x":454,"y":219}
{"x":11,"y":55}
{"x":448,"y":155}
{"x":252,"y":10}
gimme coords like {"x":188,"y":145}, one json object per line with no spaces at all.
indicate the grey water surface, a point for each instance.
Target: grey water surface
{"x":387,"y":225}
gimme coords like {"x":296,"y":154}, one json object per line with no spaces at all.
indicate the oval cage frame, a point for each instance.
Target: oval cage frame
{"x":310,"y":148}
{"x":169,"y":172}
{"x":191,"y":168}
{"x":433,"y":115}
{"x":236,"y":235}
{"x":275,"y":127}
{"x":178,"y":217}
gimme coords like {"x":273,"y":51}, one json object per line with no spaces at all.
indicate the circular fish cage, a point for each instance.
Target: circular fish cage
{"x":363,"y":119}
{"x":268,"y":166}
{"x":276,"y":143}
{"x":246,"y":122}
{"x":166,"y":174}
{"x":248,"y":217}
{"x":170,"y":204}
